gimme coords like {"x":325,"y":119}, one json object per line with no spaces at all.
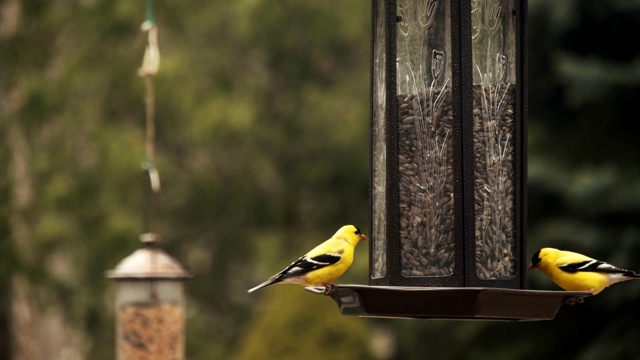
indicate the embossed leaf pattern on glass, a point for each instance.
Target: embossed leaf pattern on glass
{"x":493,"y":34}
{"x":424,"y":138}
{"x":437,"y":63}
{"x":427,"y":12}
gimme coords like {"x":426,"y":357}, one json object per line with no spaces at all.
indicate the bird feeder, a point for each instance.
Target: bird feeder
{"x":150,"y":304}
{"x":448,"y":165}
{"x":449,"y":130}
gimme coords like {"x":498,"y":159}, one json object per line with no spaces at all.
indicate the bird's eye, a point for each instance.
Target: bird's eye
{"x":358,"y":232}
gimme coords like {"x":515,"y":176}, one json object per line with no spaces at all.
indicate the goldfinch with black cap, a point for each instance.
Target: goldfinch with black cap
{"x":323,"y":264}
{"x":576,"y":272}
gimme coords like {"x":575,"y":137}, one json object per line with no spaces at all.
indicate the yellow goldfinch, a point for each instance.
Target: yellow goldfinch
{"x":576,"y":272}
{"x":325,"y":263}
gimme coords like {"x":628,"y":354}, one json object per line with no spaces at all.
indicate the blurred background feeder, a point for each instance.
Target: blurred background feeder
{"x":448,"y":143}
{"x":150,"y":300}
{"x":150,"y":304}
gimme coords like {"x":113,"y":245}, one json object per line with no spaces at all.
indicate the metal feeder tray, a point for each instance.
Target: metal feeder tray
{"x":469,"y":303}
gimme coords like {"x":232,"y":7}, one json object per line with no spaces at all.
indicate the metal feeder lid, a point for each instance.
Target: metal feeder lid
{"x":149,"y":262}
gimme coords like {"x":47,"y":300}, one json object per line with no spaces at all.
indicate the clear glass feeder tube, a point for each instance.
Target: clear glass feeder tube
{"x":379,"y":161}
{"x":494,"y":101}
{"x":425,"y":150}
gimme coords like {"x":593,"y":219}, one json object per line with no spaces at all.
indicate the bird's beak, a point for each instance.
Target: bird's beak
{"x":362,"y":237}
{"x":532,"y":267}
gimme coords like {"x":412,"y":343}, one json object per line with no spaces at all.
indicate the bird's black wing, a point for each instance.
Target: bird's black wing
{"x":595,"y":266}
{"x":306,"y":264}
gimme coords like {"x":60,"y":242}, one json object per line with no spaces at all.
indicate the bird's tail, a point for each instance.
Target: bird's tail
{"x":630,"y":274}
{"x":266,"y":283}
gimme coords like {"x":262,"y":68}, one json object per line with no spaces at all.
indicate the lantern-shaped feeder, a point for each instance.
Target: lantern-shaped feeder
{"x":448,"y":143}
{"x":150,"y":304}
{"x":448,"y":163}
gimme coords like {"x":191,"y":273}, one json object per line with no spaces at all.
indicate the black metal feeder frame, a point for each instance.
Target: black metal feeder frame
{"x":448,"y":164}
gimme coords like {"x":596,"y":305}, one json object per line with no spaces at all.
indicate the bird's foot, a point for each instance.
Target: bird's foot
{"x":574,"y":300}
{"x":328,"y":288}
{"x":324,"y":289}
{"x":315,"y":289}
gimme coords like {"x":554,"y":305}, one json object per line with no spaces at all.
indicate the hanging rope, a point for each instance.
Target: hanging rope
{"x":149,"y":68}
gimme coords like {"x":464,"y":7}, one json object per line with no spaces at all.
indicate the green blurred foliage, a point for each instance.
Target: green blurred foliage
{"x":284,"y":328}
{"x":263,"y":133}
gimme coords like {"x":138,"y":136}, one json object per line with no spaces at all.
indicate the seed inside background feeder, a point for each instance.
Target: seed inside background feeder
{"x":151,"y":331}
